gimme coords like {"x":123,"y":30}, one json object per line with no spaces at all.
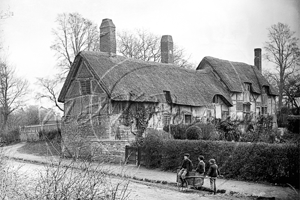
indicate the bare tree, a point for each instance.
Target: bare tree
{"x":292,"y":91}
{"x":12,"y":91}
{"x":73,"y":34}
{"x":50,"y":90}
{"x":282,"y":50}
{"x":143,"y":45}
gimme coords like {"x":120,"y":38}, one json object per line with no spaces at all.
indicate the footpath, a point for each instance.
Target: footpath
{"x":157,"y":176}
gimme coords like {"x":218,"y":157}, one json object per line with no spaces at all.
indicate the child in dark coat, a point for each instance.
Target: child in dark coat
{"x":186,"y":167}
{"x":213,"y":173}
{"x":200,"y":170}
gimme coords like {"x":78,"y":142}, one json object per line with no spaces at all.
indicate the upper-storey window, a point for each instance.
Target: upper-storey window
{"x":247,"y":86}
{"x":217,"y":99}
{"x":85,"y":86}
{"x":265,"y":90}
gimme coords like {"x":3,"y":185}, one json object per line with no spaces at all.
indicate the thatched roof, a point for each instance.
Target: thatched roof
{"x":126,"y":79}
{"x":233,"y":74}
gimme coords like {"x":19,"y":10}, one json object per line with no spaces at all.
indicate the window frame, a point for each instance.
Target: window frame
{"x":85,"y":87}
{"x":187,"y":115}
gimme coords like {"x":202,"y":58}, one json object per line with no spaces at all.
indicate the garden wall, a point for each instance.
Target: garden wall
{"x":275,"y":163}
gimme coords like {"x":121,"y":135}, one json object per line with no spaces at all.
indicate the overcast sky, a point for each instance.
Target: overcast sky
{"x":228,"y":29}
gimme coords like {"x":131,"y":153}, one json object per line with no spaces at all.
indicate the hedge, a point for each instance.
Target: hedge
{"x":275,"y":163}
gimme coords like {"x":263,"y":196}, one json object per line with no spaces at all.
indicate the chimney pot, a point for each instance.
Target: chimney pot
{"x":166,"y":48}
{"x":257,"y":58}
{"x":108,"y":36}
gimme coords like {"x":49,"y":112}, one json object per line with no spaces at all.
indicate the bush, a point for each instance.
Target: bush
{"x":229,"y":130}
{"x":50,"y":135}
{"x":151,"y":147}
{"x":11,"y":137}
{"x":178,"y":130}
{"x":208,"y":131}
{"x":275,"y":163}
{"x":293,"y":122}
{"x":160,"y":133}
{"x":193,"y":133}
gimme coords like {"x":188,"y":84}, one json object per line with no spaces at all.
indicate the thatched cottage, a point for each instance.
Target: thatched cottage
{"x":109,"y":98}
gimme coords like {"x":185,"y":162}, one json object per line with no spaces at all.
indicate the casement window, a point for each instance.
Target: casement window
{"x":265,"y":90}
{"x":246,"y":107}
{"x":85,"y":86}
{"x":168,"y":96}
{"x":187,"y":119}
{"x":246,"y":110}
{"x":225,"y":114}
{"x":216,"y":99}
{"x":239,"y":106}
{"x":166,"y":119}
{"x":264,"y":110}
{"x":247,"y":87}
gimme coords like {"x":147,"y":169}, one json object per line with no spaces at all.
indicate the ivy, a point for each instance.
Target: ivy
{"x":140,"y":113}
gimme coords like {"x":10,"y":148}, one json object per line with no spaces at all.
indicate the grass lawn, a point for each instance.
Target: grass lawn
{"x":42,"y":148}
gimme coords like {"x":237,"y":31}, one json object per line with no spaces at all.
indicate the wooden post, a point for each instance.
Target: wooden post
{"x":126,"y":154}
{"x":138,"y":156}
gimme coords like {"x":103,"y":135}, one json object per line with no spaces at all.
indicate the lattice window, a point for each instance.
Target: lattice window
{"x":239,"y":106}
{"x":85,"y":87}
{"x":225,"y":114}
{"x":247,"y":87}
{"x":264,"y":110}
{"x":246,"y":107}
{"x":166,"y":119}
{"x":187,"y":119}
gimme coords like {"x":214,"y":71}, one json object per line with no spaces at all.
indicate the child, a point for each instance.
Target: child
{"x":200,"y":170}
{"x":213,"y":173}
{"x":186,"y":167}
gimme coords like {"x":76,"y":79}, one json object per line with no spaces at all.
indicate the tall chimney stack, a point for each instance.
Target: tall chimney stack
{"x":257,"y":58}
{"x":108,"y":36}
{"x":166,"y":48}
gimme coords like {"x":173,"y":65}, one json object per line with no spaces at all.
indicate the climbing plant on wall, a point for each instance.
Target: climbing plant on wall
{"x":140,"y":114}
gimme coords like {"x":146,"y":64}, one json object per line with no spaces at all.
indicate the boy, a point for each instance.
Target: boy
{"x":186,"y":167}
{"x":200,"y":170}
{"x":213,"y":173}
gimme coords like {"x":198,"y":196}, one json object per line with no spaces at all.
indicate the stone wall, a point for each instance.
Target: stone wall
{"x":91,"y":139}
{"x":108,"y":150}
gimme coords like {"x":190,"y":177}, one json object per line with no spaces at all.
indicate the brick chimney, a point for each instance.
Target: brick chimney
{"x":166,"y":48}
{"x":108,"y":36}
{"x":257,"y":58}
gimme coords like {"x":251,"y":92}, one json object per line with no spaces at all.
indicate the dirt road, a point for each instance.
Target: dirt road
{"x":138,"y":190}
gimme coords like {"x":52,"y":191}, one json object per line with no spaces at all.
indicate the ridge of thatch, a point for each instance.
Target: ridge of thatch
{"x":134,"y":80}
{"x":233,"y":74}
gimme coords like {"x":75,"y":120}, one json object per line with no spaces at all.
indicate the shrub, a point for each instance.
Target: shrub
{"x":208,"y":131}
{"x":229,"y":130}
{"x":160,"y":133}
{"x":293,"y":122}
{"x":276,"y":163}
{"x":152,"y":146}
{"x":178,"y":130}
{"x":50,"y":134}
{"x":193,"y":133}
{"x":11,"y":137}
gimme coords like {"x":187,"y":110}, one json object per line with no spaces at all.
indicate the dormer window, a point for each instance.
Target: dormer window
{"x":216,"y":99}
{"x":247,"y":86}
{"x":265,"y":90}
